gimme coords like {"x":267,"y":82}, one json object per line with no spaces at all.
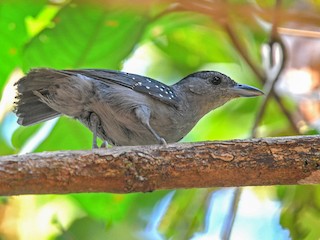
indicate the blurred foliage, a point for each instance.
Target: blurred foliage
{"x":98,"y":34}
{"x":301,"y":210}
{"x":84,"y":36}
{"x":14,"y":33}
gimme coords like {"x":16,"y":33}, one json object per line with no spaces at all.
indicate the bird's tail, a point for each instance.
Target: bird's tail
{"x":28,"y":107}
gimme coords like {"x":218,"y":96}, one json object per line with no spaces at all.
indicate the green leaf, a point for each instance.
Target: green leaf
{"x":190,"y":42}
{"x":220,"y":124}
{"x":13,"y":32}
{"x":185,"y":213}
{"x":107,"y":207}
{"x":67,"y":134}
{"x":85,"y":37}
{"x":5,"y":149}
{"x":113,"y":208}
{"x":22,"y":134}
{"x":83,"y":229}
{"x":300,"y":210}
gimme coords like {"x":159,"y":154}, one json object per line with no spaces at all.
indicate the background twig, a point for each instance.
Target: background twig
{"x":228,"y":224}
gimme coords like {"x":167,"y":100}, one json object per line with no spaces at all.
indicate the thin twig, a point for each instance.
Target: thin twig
{"x":288,"y":115}
{"x":228,"y":224}
{"x":273,"y":79}
{"x":299,"y":32}
{"x":270,"y":91}
{"x":273,"y":69}
{"x":260,"y":75}
{"x":175,"y":7}
{"x":241,"y":49}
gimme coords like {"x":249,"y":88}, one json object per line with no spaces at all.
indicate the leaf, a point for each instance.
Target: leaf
{"x":107,"y":207}
{"x":68,"y":134}
{"x":5,"y":149}
{"x":115,"y":207}
{"x":300,"y":210}
{"x":83,"y":229}
{"x":22,"y":134}
{"x":190,"y":42}
{"x":13,"y":32}
{"x":185,"y":214}
{"x":85,"y":37}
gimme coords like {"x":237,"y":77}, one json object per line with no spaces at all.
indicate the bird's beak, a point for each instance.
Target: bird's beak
{"x":243,"y":90}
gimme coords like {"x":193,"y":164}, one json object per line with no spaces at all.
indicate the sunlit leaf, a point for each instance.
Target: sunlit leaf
{"x":84,"y":229}
{"x":22,"y":134}
{"x":185,"y":214}
{"x":190,"y":42}
{"x":5,"y":149}
{"x":68,"y":134}
{"x":114,"y":207}
{"x":85,"y":37}
{"x":107,"y":207}
{"x":301,"y":210}
{"x":13,"y":33}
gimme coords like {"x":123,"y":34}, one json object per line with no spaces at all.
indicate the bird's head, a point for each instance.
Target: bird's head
{"x":211,"y":89}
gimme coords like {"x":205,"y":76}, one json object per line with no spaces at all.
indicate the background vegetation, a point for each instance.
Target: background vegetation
{"x":269,"y":44}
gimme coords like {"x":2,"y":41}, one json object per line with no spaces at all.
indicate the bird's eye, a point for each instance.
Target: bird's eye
{"x":216,"y":80}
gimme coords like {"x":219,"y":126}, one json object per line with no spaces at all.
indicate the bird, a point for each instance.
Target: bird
{"x":124,"y":109}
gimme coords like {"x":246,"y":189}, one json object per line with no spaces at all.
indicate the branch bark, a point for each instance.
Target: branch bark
{"x":269,"y":161}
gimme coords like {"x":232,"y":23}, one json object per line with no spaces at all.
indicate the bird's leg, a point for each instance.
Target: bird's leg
{"x":94,"y":124}
{"x":143,"y":114}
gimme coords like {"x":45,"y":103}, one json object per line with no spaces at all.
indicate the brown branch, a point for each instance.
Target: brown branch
{"x":299,"y":32}
{"x":270,"y":161}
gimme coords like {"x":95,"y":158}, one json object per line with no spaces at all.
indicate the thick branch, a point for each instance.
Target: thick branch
{"x":270,"y":161}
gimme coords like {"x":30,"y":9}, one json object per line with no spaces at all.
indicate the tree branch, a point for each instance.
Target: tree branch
{"x":270,"y":161}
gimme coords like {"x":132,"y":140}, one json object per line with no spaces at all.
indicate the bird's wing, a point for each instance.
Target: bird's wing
{"x":136,"y":82}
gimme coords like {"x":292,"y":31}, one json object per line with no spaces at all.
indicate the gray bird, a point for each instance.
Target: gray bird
{"x":123,"y":108}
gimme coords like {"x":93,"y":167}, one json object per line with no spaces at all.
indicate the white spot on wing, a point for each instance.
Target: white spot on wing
{"x":83,"y":77}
